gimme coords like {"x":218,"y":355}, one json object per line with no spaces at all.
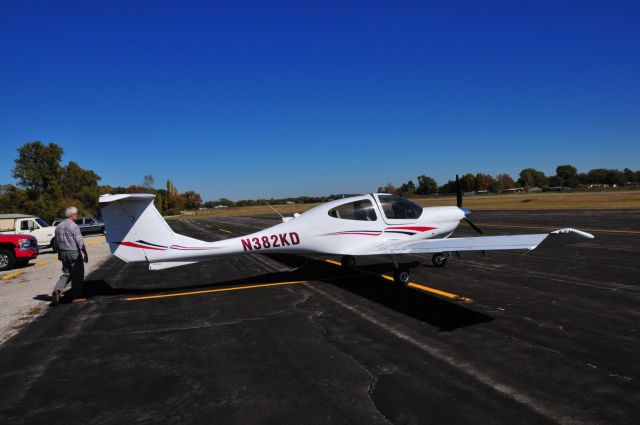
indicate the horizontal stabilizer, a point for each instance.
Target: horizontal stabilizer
{"x":169,"y":264}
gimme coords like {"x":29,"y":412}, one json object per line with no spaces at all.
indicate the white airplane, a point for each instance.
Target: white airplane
{"x":372,"y":224}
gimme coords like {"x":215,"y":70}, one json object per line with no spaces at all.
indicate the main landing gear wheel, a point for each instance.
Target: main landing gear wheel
{"x":348,"y":262}
{"x":439,"y":260}
{"x":401,"y":276}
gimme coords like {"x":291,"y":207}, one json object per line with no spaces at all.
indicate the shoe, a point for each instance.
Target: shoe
{"x":55,"y":298}
{"x":78,"y":300}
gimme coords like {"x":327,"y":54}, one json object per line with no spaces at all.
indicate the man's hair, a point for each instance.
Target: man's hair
{"x":70,"y":211}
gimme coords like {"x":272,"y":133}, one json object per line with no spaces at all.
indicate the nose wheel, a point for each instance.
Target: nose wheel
{"x":439,"y":259}
{"x":348,"y":262}
{"x":401,"y":276}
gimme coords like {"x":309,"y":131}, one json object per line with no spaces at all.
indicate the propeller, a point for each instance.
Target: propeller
{"x":458,"y":192}
{"x":459,"y":203}
{"x":473,"y":226}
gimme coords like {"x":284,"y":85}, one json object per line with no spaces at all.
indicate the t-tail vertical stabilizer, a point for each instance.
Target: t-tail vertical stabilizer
{"x":135,"y":230}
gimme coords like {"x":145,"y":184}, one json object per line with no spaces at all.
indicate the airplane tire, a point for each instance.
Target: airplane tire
{"x":348,"y":262}
{"x":401,"y":276}
{"x":439,"y":260}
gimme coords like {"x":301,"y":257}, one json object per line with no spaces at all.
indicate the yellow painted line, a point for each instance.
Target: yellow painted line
{"x":11,"y":275}
{"x":42,"y":263}
{"x":548,"y":228}
{"x":439,"y":292}
{"x":226,"y":231}
{"x":95,"y":241}
{"x":420,"y":287}
{"x":210,"y":291}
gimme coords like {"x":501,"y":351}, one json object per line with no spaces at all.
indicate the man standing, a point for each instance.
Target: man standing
{"x":70,"y":245}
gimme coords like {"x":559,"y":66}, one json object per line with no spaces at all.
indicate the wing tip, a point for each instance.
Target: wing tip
{"x":575,"y":232}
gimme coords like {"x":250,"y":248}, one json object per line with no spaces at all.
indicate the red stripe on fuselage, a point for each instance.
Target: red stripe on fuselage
{"x":414,"y":228}
{"x":135,"y":245}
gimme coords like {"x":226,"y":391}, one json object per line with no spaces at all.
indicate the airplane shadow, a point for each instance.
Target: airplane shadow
{"x":365,"y":282}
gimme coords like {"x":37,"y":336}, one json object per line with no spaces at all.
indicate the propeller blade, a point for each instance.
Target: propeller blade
{"x":458,"y":192}
{"x":473,"y":226}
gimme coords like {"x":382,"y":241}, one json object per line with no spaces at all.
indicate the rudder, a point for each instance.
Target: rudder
{"x":135,"y":230}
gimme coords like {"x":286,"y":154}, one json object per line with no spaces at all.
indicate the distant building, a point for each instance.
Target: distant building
{"x":512,"y":190}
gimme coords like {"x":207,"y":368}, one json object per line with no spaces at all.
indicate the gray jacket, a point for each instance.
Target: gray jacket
{"x":68,"y":236}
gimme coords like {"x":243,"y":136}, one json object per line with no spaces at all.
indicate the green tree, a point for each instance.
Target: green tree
{"x":408,"y":188}
{"x":80,"y":186}
{"x":192,"y":200}
{"x":149,"y":182}
{"x":388,"y":188}
{"x":530,"y":177}
{"x":555,"y":181}
{"x":448,"y":187}
{"x":38,"y":170}
{"x":629,"y":175}
{"x":226,"y":202}
{"x":606,"y":176}
{"x":501,"y":182}
{"x":468,"y":182}
{"x":426,"y":185}
{"x":582,"y":178}
{"x":38,"y":167}
{"x":174,"y":201}
{"x":12,"y":199}
{"x":483,"y":181}
{"x":568,"y":175}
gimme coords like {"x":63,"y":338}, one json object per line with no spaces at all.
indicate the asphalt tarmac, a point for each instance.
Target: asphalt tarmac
{"x":550,"y":337}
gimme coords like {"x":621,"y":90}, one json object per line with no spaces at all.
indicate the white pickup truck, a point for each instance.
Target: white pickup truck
{"x":23,"y":224}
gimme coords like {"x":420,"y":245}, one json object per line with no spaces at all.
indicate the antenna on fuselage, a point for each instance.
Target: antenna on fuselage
{"x":274,"y":210}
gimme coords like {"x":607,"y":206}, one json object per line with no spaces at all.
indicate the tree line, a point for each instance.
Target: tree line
{"x":567,"y":176}
{"x":45,"y":187}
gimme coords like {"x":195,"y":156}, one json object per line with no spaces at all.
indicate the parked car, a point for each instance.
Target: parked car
{"x":25,"y":224}
{"x":86,"y":224}
{"x":17,"y":250}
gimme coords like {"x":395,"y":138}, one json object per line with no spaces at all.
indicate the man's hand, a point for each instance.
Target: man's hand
{"x":84,"y":251}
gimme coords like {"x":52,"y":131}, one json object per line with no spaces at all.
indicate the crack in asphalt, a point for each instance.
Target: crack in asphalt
{"x":467,"y":368}
{"x":311,"y":316}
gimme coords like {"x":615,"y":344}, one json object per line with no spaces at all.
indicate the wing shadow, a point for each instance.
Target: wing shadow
{"x":364,"y":282}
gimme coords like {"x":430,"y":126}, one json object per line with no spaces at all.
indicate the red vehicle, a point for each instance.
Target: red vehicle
{"x":17,"y":249}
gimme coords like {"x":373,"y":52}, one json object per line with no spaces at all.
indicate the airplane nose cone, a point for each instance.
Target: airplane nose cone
{"x":465,"y":211}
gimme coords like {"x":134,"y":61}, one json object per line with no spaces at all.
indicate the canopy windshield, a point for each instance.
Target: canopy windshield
{"x":399,"y":208}
{"x":359,"y":210}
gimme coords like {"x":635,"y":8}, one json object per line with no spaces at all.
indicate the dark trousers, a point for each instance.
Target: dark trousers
{"x":72,"y":270}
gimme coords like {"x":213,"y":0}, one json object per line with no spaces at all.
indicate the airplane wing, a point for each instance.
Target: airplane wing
{"x":482,"y":243}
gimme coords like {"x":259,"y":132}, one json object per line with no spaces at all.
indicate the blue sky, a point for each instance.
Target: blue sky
{"x":251,"y":99}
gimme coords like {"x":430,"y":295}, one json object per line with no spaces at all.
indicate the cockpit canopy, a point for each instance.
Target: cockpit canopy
{"x":394,"y":208}
{"x":398,"y":208}
{"x":362,"y":210}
